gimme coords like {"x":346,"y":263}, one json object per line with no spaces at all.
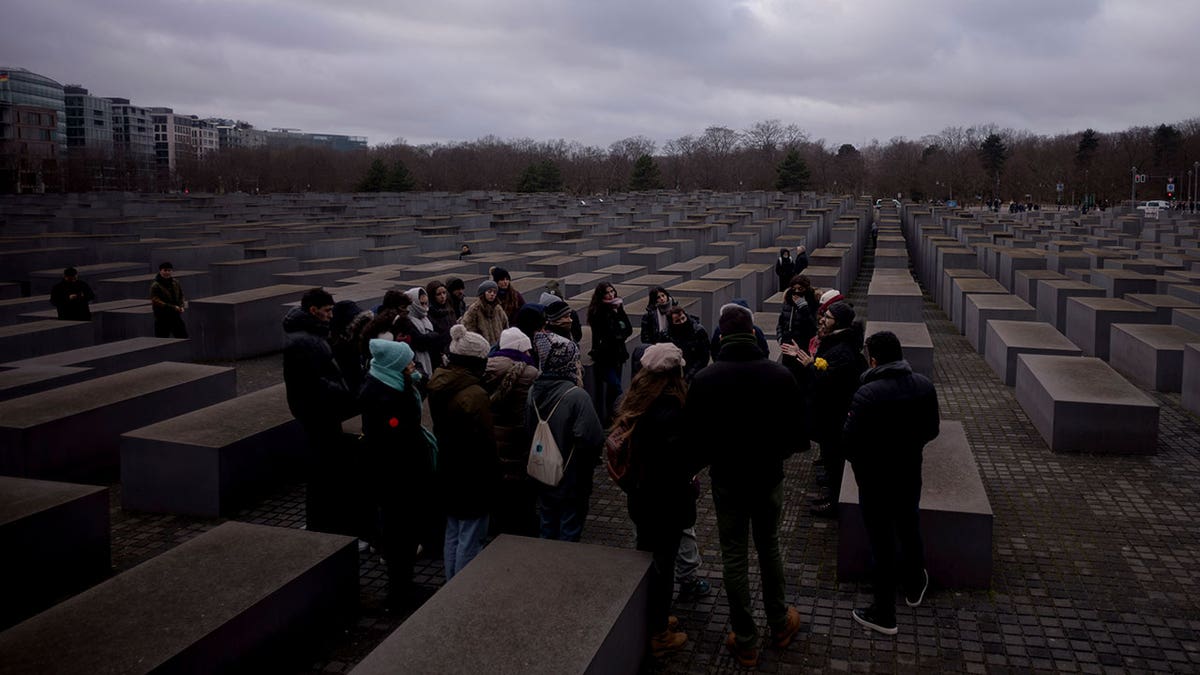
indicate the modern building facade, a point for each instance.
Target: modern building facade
{"x":293,"y":138}
{"x":32,"y":132}
{"x":133,"y":144}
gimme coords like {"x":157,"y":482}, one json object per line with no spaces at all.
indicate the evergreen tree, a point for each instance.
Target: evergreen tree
{"x":646,"y":175}
{"x":399,"y":179}
{"x":1089,"y":142}
{"x":543,"y":176}
{"x":376,"y":177}
{"x":793,"y":173}
{"x":992,"y":154}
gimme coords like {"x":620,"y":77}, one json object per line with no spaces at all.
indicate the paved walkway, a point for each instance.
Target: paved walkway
{"x":1095,"y":557}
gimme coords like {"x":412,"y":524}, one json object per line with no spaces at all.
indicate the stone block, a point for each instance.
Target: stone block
{"x":898,"y":300}
{"x":945,"y":285}
{"x":891,"y":258}
{"x":962,"y":287}
{"x":55,"y":538}
{"x":984,"y":307}
{"x":520,"y":623}
{"x":1025,"y":283}
{"x":1080,"y":404}
{"x":243,"y":324}
{"x":35,"y":338}
{"x":73,"y":432}
{"x":711,"y":293}
{"x":956,"y":517}
{"x":1191,"y":378}
{"x":17,"y":382}
{"x":1116,"y":283}
{"x":618,"y":274}
{"x":238,"y":598}
{"x":914,"y":340}
{"x":1089,"y":321}
{"x":1006,"y":340}
{"x":196,"y":284}
{"x":1150,"y":355}
{"x":212,"y":460}
{"x":1052,"y":299}
{"x":653,"y":258}
{"x":41,"y":281}
{"x":1164,"y":306}
{"x":746,"y":282}
{"x":112,"y":357}
{"x":1186,"y":318}
{"x":240,"y":275}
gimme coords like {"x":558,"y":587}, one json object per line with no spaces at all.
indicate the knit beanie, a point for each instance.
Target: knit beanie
{"x":485,"y":286}
{"x":548,"y":299}
{"x":388,"y":361}
{"x":530,"y":318}
{"x":557,"y":356}
{"x":514,"y":339}
{"x":662,"y":357}
{"x":557,"y":310}
{"x":465,"y":343}
{"x":735,"y":319}
{"x":828,"y":298}
{"x":499,"y":273}
{"x":842,"y":313}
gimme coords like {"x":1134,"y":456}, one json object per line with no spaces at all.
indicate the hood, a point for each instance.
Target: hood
{"x":893,"y":369}
{"x":299,"y":321}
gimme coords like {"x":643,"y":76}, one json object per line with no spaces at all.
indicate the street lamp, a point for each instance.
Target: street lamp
{"x":1195,"y":183}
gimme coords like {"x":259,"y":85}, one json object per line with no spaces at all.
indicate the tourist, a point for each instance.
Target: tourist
{"x":455,"y":287}
{"x":654,"y":321}
{"x":530,"y":319}
{"x":318,"y":398}
{"x":485,"y":317}
{"x":426,"y":342}
{"x":760,"y":338}
{"x":345,"y":337}
{"x":166,"y":298}
{"x":797,"y":323}
{"x":688,"y":334}
{"x":564,"y":321}
{"x":832,"y":376}
{"x":510,"y":373}
{"x":510,"y":298}
{"x":399,"y":461}
{"x":467,"y":466}
{"x":892,"y":416}
{"x":785,"y":267}
{"x":464,"y":251}
{"x":552,"y":295}
{"x":610,"y":329}
{"x":441,"y":313}
{"x":556,"y":396}
{"x":71,"y":297}
{"x":661,"y":496}
{"x":733,"y":414}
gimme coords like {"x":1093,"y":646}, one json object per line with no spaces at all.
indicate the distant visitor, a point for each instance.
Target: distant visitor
{"x":166,"y":295}
{"x":71,"y":297}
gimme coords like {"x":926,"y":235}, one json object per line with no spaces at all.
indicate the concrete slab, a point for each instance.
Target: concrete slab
{"x":1089,"y":321}
{"x":984,"y":307}
{"x":1151,"y":356}
{"x":914,"y":341}
{"x":1006,"y":340}
{"x":35,"y":338}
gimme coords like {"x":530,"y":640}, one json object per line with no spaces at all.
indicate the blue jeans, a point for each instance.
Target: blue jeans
{"x":464,"y":539}
{"x":563,"y":509}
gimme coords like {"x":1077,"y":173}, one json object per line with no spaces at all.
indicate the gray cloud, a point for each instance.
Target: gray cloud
{"x":600,"y":71}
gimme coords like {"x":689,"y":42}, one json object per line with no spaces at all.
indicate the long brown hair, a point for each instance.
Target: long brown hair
{"x":645,"y":389}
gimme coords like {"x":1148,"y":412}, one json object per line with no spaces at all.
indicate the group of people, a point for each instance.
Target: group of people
{"x":743,"y":416}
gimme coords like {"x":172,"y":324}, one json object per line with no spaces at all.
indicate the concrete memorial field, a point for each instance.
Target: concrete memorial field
{"x":152,"y":490}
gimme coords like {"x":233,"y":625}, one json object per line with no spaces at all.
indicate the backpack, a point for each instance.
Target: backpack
{"x":618,"y":457}
{"x":545,"y":459}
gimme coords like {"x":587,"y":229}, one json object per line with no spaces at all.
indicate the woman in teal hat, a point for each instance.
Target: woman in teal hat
{"x":401,"y":456}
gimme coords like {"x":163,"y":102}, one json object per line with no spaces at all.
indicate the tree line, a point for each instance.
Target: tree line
{"x":961,"y":163}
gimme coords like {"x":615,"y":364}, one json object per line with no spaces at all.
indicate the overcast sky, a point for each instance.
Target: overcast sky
{"x":597,"y":71}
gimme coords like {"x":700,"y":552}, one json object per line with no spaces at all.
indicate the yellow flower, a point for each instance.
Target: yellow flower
{"x":820,"y":363}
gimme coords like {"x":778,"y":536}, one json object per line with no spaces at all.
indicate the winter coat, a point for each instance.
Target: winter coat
{"x":467,"y":466}
{"x":609,"y":333}
{"x":651,"y":333}
{"x":692,"y":340}
{"x":399,"y":461}
{"x":426,"y":342}
{"x":665,"y":465}
{"x":739,"y":416}
{"x":892,"y":416}
{"x":575,"y":426}
{"x":760,"y":338}
{"x":831,"y":389}
{"x":785,"y":269}
{"x":68,"y":309}
{"x":507,"y":380}
{"x":165,"y":296}
{"x":796,"y":321}
{"x":510,"y":301}
{"x":316,"y":392}
{"x":486,"y":320}
{"x":442,"y":317}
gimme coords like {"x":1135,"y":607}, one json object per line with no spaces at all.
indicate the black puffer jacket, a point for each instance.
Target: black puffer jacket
{"x":399,"y":460}
{"x":739,"y":416}
{"x":832,"y":388}
{"x":892,"y":416}
{"x":665,"y":464}
{"x":692,"y":339}
{"x":316,"y":392}
{"x":609,"y":333}
{"x":796,"y":321}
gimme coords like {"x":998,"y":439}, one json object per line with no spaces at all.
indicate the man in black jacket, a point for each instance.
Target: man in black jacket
{"x":735,"y":413}
{"x":71,"y":297}
{"x":319,"y":400}
{"x":893,"y":415}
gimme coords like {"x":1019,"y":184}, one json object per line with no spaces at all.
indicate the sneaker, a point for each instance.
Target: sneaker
{"x":909,"y":600}
{"x":867,"y":617}
{"x":781,"y":638}
{"x":363,"y":546}
{"x":694,"y":587}
{"x":666,"y":642}
{"x":747,"y":657}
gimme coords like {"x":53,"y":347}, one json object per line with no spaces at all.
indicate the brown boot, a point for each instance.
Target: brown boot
{"x":666,"y":642}
{"x":748,"y":657}
{"x":783,"y":637}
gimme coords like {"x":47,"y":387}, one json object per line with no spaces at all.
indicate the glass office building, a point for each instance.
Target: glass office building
{"x":21,"y":87}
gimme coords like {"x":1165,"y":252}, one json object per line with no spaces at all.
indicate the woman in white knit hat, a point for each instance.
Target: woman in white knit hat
{"x":510,"y":373}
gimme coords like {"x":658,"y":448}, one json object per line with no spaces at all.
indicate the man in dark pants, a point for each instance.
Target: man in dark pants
{"x":735,"y":413}
{"x":71,"y":297}
{"x":319,"y":400}
{"x":166,"y":297}
{"x":893,"y":415}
